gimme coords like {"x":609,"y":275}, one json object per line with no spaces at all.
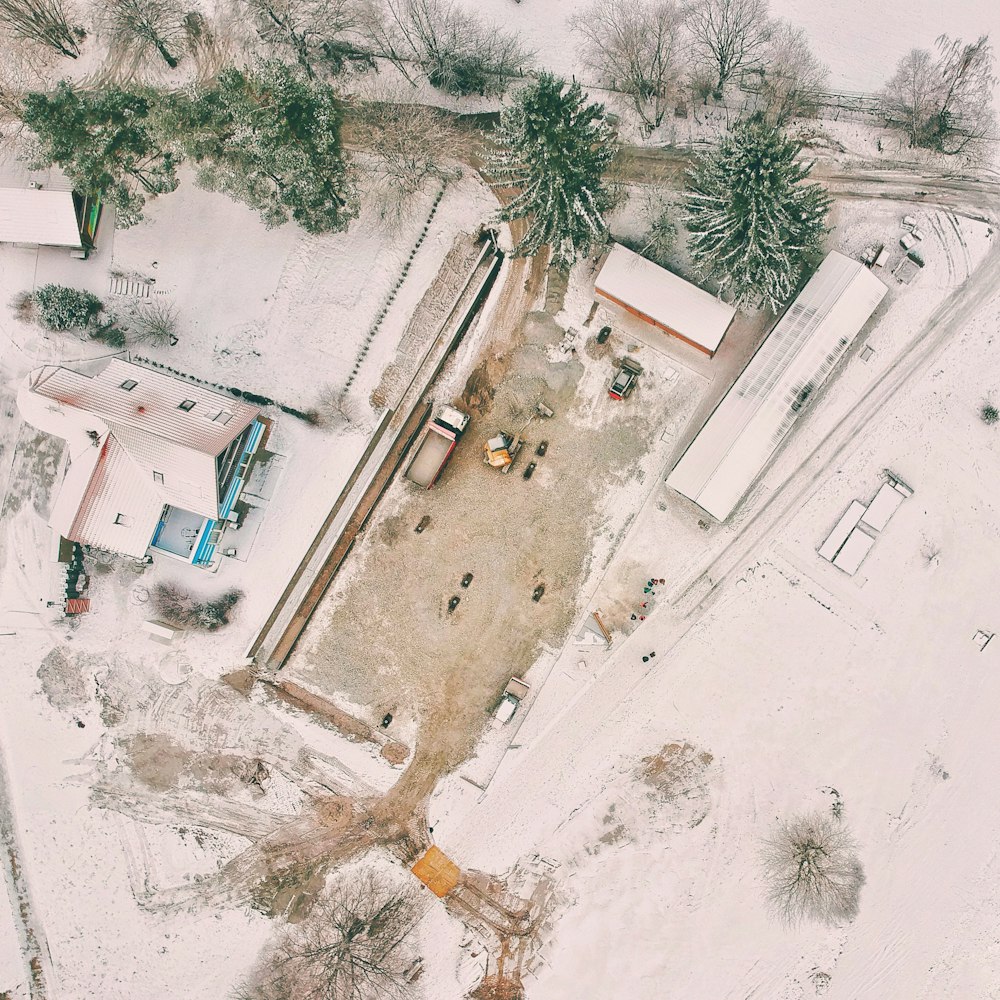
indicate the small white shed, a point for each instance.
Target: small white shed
{"x":39,"y":218}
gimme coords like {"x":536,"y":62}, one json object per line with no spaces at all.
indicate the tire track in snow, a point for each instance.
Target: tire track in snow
{"x":34,"y":949}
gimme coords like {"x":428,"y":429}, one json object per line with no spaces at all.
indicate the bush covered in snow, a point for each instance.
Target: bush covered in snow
{"x":62,"y":308}
{"x":182,"y":609}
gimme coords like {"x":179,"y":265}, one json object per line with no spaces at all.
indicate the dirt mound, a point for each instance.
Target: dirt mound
{"x":680,"y":776}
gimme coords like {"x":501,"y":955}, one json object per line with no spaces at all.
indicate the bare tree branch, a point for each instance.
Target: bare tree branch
{"x":44,"y":22}
{"x":409,"y":144}
{"x":811,"y":869}
{"x":316,"y":31}
{"x":791,"y":77}
{"x":944,"y":104}
{"x":456,"y":51}
{"x":144,"y":26}
{"x":729,"y":35}
{"x":352,"y":946}
{"x":636,"y":46}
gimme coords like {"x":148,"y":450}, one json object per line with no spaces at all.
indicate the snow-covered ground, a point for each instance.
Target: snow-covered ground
{"x":859,"y":41}
{"x":280,"y":314}
{"x":651,"y":784}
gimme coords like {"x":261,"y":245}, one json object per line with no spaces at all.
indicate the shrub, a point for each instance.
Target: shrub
{"x":989,"y":413}
{"x":62,"y":308}
{"x":108,"y":333}
{"x":156,"y":324}
{"x":811,"y":869}
{"x":180,"y":608}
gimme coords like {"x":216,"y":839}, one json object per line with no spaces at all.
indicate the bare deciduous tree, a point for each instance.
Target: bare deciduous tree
{"x":728,"y":34}
{"x":42,"y":21}
{"x":353,"y":946}
{"x":811,"y":869}
{"x":945,"y":103}
{"x":791,"y":77}
{"x":636,"y":47}
{"x":144,"y":26}
{"x":457,"y":52}
{"x":153,"y":323}
{"x":314,"y":30}
{"x":410,"y":144}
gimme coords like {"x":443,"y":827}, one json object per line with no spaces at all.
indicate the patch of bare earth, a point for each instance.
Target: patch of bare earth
{"x":679,"y":777}
{"x":386,"y":639}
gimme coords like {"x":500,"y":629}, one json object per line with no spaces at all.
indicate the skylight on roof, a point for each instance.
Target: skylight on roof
{"x":129,"y":384}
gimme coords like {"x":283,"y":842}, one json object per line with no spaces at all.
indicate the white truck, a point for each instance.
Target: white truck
{"x":436,"y":446}
{"x":515,"y":692}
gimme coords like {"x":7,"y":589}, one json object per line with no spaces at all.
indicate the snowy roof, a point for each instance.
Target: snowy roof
{"x":31,"y":215}
{"x":664,"y":298}
{"x":745,"y":429}
{"x":117,"y":509}
{"x":133,"y":448}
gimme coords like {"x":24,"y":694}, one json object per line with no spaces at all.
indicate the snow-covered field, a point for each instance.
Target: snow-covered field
{"x":859,"y":41}
{"x":779,"y":686}
{"x":795,"y":687}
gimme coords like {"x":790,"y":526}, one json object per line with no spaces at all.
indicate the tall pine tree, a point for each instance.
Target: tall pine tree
{"x":753,"y":223}
{"x":554,"y":149}
{"x":270,"y":138}
{"x":106,"y":142}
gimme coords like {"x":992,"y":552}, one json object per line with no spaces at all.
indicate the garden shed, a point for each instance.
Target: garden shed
{"x":39,"y":217}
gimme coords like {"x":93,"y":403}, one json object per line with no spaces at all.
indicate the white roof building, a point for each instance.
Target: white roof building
{"x":661,"y":298}
{"x":753,"y":418}
{"x":145,"y":450}
{"x":39,"y":217}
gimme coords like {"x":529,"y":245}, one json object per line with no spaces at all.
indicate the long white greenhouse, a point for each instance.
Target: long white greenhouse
{"x":753,"y":418}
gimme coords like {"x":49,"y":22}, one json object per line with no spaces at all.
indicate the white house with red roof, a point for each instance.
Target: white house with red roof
{"x":156,"y":463}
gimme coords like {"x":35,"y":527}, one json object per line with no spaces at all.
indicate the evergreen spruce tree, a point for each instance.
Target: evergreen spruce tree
{"x":270,"y":138}
{"x":753,"y":223}
{"x":554,"y":149}
{"x":106,"y":142}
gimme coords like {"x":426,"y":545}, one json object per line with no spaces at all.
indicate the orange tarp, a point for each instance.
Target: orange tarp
{"x":437,"y":872}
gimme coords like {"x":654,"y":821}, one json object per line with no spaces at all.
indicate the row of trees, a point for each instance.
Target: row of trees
{"x":754,"y":222}
{"x":264,"y":136}
{"x":654,"y":51}
{"x":437,"y":40}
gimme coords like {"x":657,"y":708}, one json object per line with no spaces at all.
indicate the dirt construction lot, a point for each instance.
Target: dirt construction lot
{"x":383,"y":637}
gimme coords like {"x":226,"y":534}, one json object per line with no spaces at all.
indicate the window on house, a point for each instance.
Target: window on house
{"x":188,"y":404}
{"x":124,"y":520}
{"x":157,"y":477}
{"x":129,"y":384}
{"x":219,"y":416}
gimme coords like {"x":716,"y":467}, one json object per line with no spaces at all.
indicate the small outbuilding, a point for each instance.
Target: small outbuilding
{"x":39,"y":217}
{"x":664,"y":300}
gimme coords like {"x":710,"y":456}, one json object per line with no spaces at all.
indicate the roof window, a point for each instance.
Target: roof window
{"x":157,"y":477}
{"x":129,"y":384}
{"x":188,"y":404}
{"x":219,"y":416}
{"x":124,"y":520}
